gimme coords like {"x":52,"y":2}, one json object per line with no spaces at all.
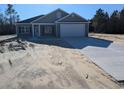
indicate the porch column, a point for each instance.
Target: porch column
{"x":56,"y":30}
{"x":16,"y":30}
{"x":39,"y":29}
{"x":32,"y":30}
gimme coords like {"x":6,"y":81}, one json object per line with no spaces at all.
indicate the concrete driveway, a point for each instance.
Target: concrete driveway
{"x":106,"y":54}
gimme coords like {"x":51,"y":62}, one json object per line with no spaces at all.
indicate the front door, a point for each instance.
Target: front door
{"x":48,"y":30}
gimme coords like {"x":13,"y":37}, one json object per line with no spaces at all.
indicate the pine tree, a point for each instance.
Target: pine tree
{"x":114,"y":22}
{"x":12,"y":17}
{"x":100,"y":21}
{"x":122,"y":21}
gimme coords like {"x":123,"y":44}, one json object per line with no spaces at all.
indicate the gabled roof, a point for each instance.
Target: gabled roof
{"x":73,"y":17}
{"x":40,"y":19}
{"x":29,"y":20}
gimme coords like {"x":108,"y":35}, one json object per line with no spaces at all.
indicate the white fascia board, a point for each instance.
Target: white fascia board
{"x":22,"y":23}
{"x":35,"y":23}
{"x":73,"y":22}
{"x":43,"y":23}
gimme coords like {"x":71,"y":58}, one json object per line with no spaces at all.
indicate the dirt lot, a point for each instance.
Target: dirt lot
{"x":31,"y":65}
{"x":115,"y":38}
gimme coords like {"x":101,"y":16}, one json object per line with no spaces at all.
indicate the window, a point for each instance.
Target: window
{"x":48,"y":30}
{"x":24,"y":29}
{"x":19,"y":29}
{"x":36,"y":28}
{"x":27,"y":29}
{"x":58,"y":14}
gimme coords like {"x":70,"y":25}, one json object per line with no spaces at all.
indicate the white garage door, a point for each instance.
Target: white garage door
{"x":72,"y":30}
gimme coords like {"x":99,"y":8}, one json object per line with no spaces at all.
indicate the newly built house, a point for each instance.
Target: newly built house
{"x":57,"y":23}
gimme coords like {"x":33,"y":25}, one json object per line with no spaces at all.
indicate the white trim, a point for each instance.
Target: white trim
{"x":32,"y":30}
{"x":39,"y":29}
{"x":73,"y":22}
{"x":43,"y":23}
{"x":22,"y":23}
{"x":36,"y":23}
{"x":49,"y":14}
{"x":56,"y":31}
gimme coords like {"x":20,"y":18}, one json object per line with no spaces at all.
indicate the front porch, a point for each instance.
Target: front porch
{"x":36,"y":30}
{"x":43,"y":30}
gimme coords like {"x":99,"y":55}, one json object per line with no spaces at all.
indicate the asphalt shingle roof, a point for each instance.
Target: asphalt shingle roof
{"x":30,"y":19}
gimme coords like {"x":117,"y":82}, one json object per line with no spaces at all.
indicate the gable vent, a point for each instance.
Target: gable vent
{"x":59,"y":15}
{"x":72,"y":15}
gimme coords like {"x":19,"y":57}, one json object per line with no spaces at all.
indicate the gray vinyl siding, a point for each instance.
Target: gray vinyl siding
{"x":51,"y":18}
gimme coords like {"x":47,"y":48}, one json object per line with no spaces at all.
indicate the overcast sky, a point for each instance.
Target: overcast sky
{"x":85,"y":10}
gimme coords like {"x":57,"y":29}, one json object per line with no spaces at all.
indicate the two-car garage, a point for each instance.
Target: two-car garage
{"x":72,"y":30}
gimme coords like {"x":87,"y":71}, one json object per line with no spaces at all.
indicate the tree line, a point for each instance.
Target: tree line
{"x":8,"y":18}
{"x":102,"y":22}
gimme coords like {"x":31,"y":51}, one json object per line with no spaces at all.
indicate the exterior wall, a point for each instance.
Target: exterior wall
{"x":56,"y":29}
{"x":51,"y":18}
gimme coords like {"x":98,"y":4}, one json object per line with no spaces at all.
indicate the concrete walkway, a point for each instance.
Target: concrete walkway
{"x":107,"y":55}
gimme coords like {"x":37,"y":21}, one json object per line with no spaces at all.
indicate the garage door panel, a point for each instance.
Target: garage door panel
{"x":72,"y":30}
